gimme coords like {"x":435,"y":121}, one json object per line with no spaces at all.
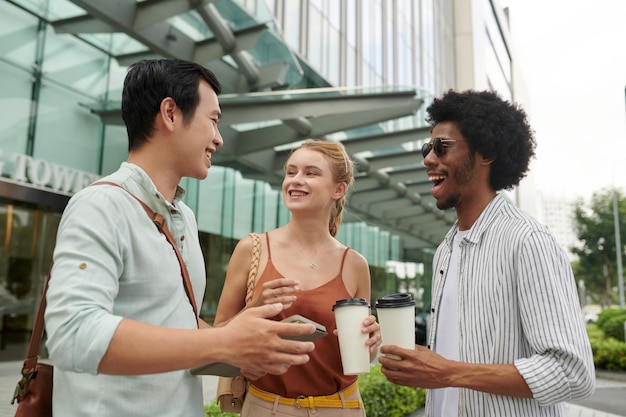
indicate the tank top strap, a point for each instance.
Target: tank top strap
{"x":267,"y":239}
{"x":343,"y":260}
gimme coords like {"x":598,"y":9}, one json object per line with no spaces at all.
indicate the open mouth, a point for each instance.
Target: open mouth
{"x":294,"y":193}
{"x":437,"y":179}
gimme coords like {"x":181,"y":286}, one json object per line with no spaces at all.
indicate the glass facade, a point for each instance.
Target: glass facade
{"x":373,"y":42}
{"x":497,"y":56}
{"x":53,"y":142}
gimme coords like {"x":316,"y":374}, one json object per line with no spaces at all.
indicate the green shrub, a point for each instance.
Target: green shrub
{"x":614,"y":327}
{"x":384,"y":399}
{"x":594,"y":332}
{"x":596,"y":338}
{"x":607,"y":313}
{"x":608,"y":353}
{"x":213,"y":410}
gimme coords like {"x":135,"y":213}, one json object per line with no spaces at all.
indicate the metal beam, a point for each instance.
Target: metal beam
{"x":120,"y":13}
{"x":367,"y":183}
{"x":313,"y":103}
{"x":210,"y":49}
{"x":396,"y":211}
{"x":82,"y":24}
{"x":395,"y":159}
{"x":379,"y":209}
{"x":422,"y":188}
{"x":409,"y":175}
{"x":385,"y":140}
{"x":381,"y":194}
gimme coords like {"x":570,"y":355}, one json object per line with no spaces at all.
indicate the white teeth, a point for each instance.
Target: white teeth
{"x":436,"y":177}
{"x":297,"y":193}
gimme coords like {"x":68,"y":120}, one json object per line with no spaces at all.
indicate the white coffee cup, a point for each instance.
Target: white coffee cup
{"x":396,"y":316}
{"x":349,"y":316}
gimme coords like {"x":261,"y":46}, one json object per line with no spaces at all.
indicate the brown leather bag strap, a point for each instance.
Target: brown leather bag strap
{"x":32,"y":355}
{"x":159,"y":222}
{"x":183,"y":268}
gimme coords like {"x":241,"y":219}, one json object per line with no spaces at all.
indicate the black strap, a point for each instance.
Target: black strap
{"x":32,"y":355}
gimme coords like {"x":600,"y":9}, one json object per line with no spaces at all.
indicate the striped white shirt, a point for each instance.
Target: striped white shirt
{"x":518,"y":304}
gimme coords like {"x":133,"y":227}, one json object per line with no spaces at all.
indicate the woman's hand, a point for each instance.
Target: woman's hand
{"x":371,"y":327}
{"x":280,"y":290}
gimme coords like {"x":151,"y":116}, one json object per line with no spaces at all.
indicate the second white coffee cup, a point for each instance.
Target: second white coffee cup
{"x":396,"y":316}
{"x":349,"y":316}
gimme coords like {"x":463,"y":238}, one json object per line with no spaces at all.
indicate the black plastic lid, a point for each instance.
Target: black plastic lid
{"x":351,"y":302}
{"x":395,"y":300}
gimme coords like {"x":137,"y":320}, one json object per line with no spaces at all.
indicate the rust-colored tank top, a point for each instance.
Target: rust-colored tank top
{"x":323,"y":374}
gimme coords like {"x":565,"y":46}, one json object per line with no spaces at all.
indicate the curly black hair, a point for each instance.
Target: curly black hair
{"x":493,"y":127}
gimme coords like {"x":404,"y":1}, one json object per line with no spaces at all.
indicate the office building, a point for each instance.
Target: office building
{"x":557,"y":214}
{"x":360,"y":72}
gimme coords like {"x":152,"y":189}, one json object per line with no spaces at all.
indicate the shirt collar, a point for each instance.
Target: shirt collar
{"x":144,"y":182}
{"x":481,"y":224}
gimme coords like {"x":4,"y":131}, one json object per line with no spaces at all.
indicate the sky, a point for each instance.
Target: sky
{"x":573,"y":61}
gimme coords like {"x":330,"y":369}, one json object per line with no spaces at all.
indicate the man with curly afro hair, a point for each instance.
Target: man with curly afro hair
{"x":507,"y":336}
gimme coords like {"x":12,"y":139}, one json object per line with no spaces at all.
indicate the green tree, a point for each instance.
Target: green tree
{"x":595,"y":227}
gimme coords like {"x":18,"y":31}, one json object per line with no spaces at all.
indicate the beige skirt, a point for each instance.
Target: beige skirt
{"x":254,"y":406}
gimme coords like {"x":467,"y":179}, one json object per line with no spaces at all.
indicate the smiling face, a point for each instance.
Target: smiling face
{"x":199,"y":136}
{"x":309,"y":183}
{"x":454,"y":172}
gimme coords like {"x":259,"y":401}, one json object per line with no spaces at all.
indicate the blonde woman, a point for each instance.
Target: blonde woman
{"x":304,"y":266}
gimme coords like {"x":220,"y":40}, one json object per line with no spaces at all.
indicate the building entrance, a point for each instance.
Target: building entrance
{"x":27,"y":236}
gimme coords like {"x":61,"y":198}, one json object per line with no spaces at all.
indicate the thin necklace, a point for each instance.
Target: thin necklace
{"x":313,"y":264}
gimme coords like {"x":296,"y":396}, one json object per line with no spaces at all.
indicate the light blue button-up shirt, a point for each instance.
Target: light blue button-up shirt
{"x":111,"y":262}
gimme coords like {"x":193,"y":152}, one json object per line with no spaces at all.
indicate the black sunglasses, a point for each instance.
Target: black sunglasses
{"x":438,"y":145}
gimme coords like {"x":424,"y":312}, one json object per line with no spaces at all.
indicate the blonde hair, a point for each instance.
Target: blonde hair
{"x":342,"y":169}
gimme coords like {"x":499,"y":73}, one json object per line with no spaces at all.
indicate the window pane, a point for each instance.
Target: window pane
{"x":15,"y":85}
{"x":63,"y":124}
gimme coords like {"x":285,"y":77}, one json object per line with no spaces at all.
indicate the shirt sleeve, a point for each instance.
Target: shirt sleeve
{"x":561,"y":367}
{"x":84,"y":282}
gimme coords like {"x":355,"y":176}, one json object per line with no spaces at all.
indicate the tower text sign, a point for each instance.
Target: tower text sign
{"x":26,"y":169}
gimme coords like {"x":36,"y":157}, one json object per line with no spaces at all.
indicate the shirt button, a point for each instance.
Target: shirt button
{"x":173,"y":211}
{"x":182,"y":238}
{"x":82,"y":265}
